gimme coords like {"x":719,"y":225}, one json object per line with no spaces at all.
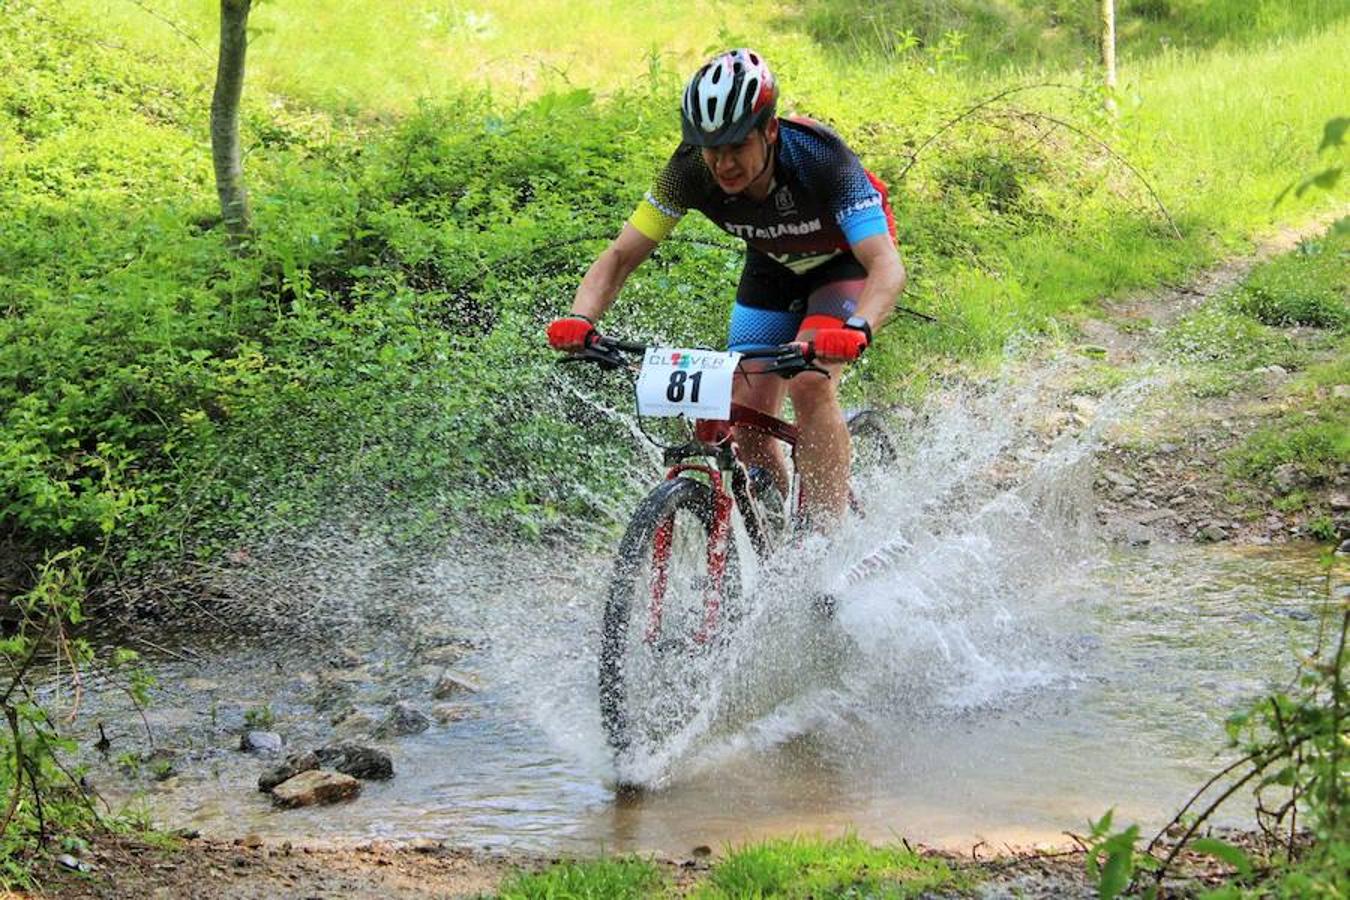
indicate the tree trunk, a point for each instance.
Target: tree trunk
{"x":225,"y":151}
{"x":1109,"y":52}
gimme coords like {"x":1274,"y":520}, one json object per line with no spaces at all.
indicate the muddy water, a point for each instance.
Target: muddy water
{"x":993,"y":671}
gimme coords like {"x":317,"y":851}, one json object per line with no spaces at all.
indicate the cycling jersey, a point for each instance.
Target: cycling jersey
{"x":821,"y":200}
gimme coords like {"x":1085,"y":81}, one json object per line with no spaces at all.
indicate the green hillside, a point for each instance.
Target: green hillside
{"x":379,"y":347}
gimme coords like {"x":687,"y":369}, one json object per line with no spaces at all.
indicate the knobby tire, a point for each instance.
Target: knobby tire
{"x":627,"y":605}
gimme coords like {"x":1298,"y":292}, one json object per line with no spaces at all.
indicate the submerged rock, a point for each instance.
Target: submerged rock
{"x":293,"y":766}
{"x":345,"y":658}
{"x":446,"y":654}
{"x":403,"y":720}
{"x":315,"y":788}
{"x":358,"y":761}
{"x":425,"y":845}
{"x":261,"y":742}
{"x":354,"y":725}
{"x":446,"y":713}
{"x":453,"y":684}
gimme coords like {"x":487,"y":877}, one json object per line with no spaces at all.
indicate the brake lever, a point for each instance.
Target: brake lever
{"x":792,"y":362}
{"x":609,"y":360}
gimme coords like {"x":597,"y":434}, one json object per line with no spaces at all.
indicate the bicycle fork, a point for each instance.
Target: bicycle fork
{"x":719,"y":546}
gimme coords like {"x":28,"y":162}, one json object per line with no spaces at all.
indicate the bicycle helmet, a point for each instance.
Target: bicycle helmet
{"x":729,"y":97}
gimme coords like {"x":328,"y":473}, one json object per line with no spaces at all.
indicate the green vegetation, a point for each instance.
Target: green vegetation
{"x":1003,"y":34}
{"x":621,"y":879}
{"x":374,"y":359}
{"x":784,"y":868}
{"x":1304,"y":288}
{"x":844,"y":867}
{"x":1317,"y":447}
{"x":378,"y":350}
{"x":259,"y":717}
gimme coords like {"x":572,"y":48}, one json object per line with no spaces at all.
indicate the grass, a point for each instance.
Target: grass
{"x":1292,"y":312}
{"x":815,"y":868}
{"x":1307,"y":287}
{"x":1317,"y":442}
{"x":368,"y":56}
{"x":801,"y":868}
{"x":600,"y":879}
{"x":1030,"y":34}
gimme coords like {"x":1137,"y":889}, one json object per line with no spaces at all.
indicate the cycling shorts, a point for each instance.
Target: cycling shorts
{"x":772,"y":301}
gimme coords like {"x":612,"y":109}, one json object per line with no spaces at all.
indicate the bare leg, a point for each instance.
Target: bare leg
{"x":823,"y":448}
{"x":764,"y":393}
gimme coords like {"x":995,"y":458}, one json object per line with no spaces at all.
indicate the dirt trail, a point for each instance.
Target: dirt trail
{"x":1160,"y":475}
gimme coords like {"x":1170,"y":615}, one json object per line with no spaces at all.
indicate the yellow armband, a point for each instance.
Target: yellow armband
{"x":654,"y":222}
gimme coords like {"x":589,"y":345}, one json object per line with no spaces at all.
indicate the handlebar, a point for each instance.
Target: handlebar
{"x":786,"y":360}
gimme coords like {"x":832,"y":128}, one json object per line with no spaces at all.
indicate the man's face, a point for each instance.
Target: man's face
{"x":737,"y":166}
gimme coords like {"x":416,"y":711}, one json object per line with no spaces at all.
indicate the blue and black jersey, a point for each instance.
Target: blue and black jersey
{"x":820,"y":203}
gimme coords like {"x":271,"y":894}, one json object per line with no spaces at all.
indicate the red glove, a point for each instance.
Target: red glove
{"x":840,"y":343}
{"x":570,"y":333}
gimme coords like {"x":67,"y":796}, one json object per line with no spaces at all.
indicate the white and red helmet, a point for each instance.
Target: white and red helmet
{"x":730,"y":96}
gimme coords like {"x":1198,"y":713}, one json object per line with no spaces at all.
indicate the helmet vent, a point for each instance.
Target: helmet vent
{"x":728,"y":97}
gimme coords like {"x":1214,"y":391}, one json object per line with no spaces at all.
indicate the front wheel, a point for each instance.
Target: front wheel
{"x":657,"y":635}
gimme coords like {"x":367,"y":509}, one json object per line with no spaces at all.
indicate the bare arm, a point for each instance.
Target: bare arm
{"x":885,"y":278}
{"x":610,"y":270}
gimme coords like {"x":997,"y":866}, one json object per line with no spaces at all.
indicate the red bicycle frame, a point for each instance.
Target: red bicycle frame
{"x":715,"y":437}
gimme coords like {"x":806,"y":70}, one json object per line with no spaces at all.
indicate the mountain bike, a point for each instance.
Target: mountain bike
{"x":676,"y":585}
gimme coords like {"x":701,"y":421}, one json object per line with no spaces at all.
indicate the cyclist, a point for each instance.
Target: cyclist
{"x":821,"y":262}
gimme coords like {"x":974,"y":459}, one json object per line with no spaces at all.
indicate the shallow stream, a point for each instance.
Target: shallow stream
{"x":994,"y":672}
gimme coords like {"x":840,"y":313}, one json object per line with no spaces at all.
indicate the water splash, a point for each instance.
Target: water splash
{"x":987,"y":661}
{"x":941,"y":594}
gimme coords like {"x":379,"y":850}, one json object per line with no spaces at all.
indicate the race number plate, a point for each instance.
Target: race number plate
{"x":695,"y":384}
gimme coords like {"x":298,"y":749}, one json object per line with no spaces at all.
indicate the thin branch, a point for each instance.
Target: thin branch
{"x":1292,"y":806}
{"x":1337,"y":695}
{"x":64,"y":643}
{"x":1257,"y":769}
{"x":12,"y":715}
{"x":31,"y":766}
{"x":1250,"y":757}
{"x":1112,"y":152}
{"x":947,"y":126}
{"x":1082,"y":844}
{"x":182,"y":32}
